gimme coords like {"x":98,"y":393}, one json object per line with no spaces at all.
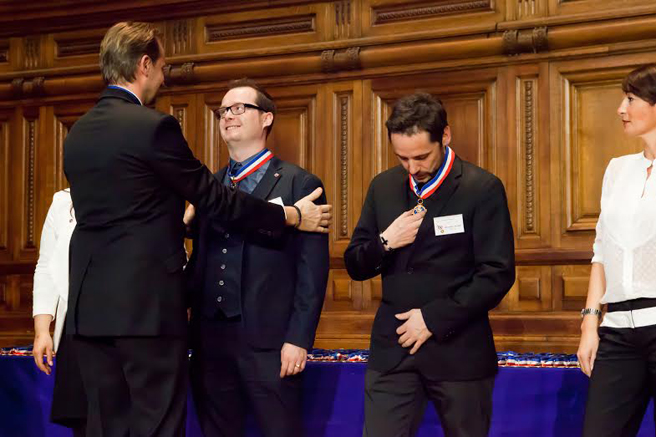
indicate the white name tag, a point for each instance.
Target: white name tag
{"x":449,"y":224}
{"x":277,"y":201}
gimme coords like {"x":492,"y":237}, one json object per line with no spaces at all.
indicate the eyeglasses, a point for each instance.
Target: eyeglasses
{"x":237,"y":109}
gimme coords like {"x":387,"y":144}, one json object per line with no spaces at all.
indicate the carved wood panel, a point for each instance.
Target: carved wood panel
{"x":5,"y":170}
{"x":590,"y":133}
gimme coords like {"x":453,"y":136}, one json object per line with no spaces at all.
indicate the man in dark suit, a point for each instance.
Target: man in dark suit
{"x":438,"y":230}
{"x":130,"y":171}
{"x":255,"y":306}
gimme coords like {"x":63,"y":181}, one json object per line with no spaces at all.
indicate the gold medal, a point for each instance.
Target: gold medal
{"x":420,"y":206}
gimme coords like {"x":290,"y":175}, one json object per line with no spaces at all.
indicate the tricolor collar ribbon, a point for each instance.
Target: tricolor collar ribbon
{"x":432,"y":185}
{"x":252,"y":165}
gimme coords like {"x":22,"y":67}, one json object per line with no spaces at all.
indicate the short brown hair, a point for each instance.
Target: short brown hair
{"x":262,"y":98}
{"x":123,"y":46}
{"x":642,"y":83}
{"x":415,"y":113}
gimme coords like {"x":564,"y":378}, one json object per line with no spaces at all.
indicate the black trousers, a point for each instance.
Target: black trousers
{"x":228,"y":378}
{"x":395,"y":402}
{"x":622,"y":382}
{"x":135,"y":386}
{"x":69,"y":403}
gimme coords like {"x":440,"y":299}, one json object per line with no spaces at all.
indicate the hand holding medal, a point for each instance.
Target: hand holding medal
{"x":403,"y":229}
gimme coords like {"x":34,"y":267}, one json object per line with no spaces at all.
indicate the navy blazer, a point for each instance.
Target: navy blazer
{"x":455,"y":279}
{"x":283,"y":283}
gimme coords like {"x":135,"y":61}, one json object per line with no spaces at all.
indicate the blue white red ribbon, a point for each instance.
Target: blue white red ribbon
{"x":251,"y":166}
{"x":432,"y":185}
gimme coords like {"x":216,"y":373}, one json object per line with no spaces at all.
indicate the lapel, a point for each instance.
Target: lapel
{"x":269,"y":180}
{"x":436,"y":203}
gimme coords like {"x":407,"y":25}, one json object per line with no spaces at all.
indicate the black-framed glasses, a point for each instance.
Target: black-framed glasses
{"x":237,"y":109}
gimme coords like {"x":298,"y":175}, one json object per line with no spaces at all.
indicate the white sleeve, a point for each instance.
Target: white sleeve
{"x":608,"y":182}
{"x":44,"y":294}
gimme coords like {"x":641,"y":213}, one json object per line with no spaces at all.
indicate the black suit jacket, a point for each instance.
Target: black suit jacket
{"x":130,"y":171}
{"x":283,"y":283}
{"x":454,"y":279}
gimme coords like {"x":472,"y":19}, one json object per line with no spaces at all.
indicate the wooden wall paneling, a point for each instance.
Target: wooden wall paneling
{"x":16,"y":326}
{"x":347,"y":23}
{"x":570,"y":287}
{"x":531,"y":291}
{"x":526,"y":162}
{"x":393,"y":17}
{"x":213,"y":152}
{"x":264,"y":28}
{"x":27,"y":167}
{"x":75,"y":48}
{"x":298,"y":130}
{"x":585,"y":96}
{"x":573,"y":7}
{"x":184,"y":108}
{"x":525,"y":9}
{"x":342,"y":159}
{"x":180,"y":37}
{"x":5,"y":195}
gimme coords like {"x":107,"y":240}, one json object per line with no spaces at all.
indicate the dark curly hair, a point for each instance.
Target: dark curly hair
{"x":418,"y":112}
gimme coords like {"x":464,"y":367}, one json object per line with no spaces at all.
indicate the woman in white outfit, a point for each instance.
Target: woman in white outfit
{"x":619,"y":354}
{"x":50,"y":295}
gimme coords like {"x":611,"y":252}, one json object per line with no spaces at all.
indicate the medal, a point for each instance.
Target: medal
{"x":432,"y":185}
{"x":420,"y":206}
{"x":250,"y":167}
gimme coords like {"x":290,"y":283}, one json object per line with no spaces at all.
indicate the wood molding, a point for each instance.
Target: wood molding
{"x":260,"y":28}
{"x":403,"y":12}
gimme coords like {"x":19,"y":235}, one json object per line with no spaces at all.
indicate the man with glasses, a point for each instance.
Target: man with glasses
{"x":255,"y":307}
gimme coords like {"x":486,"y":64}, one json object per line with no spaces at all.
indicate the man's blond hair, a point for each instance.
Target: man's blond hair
{"x":123,"y":46}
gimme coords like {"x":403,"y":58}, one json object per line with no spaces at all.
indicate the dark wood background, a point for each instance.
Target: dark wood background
{"x":531,"y":88}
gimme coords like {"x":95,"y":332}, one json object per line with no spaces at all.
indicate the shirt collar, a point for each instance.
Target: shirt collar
{"x":644,"y":161}
{"x":232,"y":163}
{"x":126,"y":90}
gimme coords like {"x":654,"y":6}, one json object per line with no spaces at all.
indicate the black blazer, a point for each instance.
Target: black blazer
{"x":455,"y":279}
{"x":283,"y":284}
{"x":130,"y":171}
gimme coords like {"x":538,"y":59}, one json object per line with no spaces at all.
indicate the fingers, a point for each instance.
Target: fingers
{"x":583,"y":362}
{"x":403,"y":316}
{"x":417,"y":345}
{"x":49,"y":356}
{"x":314,"y":195}
{"x":38,"y":359}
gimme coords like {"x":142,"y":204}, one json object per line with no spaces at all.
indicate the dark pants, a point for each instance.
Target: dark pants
{"x":228,"y":378}
{"x":622,"y":382}
{"x":69,"y":403}
{"x":135,"y":386}
{"x":395,"y":402}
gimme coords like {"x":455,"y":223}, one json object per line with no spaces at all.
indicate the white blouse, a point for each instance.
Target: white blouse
{"x":50,"y":293}
{"x":626,"y":231}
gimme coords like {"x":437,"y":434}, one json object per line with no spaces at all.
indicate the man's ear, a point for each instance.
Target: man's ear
{"x":145,"y":65}
{"x":268,"y":119}
{"x":446,"y":137}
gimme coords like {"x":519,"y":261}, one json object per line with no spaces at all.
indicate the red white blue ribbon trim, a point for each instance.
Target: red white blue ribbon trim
{"x":432,"y":185}
{"x":256,"y":162}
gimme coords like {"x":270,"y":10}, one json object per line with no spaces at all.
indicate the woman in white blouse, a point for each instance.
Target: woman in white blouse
{"x":619,"y":355}
{"x":50,"y":297}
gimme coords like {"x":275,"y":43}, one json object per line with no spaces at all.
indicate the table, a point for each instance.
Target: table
{"x":527,"y":402}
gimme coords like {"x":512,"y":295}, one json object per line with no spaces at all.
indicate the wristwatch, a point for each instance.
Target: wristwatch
{"x":594,"y":311}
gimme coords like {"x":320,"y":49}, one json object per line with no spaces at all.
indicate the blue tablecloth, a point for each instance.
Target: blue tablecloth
{"x":527,"y":402}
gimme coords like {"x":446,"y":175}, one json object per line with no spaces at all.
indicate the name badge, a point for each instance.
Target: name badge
{"x":277,"y":201}
{"x":449,"y":224}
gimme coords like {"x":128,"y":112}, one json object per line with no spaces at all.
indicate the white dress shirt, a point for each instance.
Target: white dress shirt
{"x":626,"y":231}
{"x":50,"y":293}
